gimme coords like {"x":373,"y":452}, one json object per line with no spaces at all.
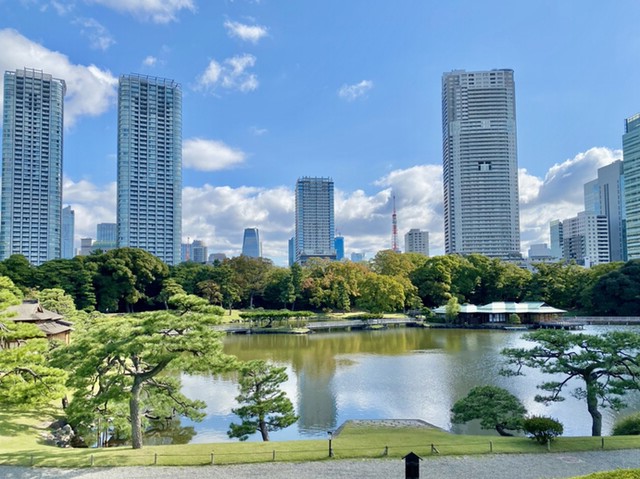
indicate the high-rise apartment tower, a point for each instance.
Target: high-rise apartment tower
{"x":480,"y":163}
{"x":631,"y":154}
{"x":315,"y":227}
{"x":150,"y":165}
{"x":31,"y":217}
{"x":416,"y":241}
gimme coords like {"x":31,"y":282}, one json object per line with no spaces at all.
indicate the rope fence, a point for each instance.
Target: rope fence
{"x":106,"y":459}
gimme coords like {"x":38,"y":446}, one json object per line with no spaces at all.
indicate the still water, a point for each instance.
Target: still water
{"x":403,"y":373}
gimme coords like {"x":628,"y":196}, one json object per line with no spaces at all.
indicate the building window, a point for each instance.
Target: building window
{"x":484,"y":166}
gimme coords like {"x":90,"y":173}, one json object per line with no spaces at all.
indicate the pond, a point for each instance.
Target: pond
{"x":400,"y":373}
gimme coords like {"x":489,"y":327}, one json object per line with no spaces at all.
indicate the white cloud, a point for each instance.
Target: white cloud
{"x":149,"y":61}
{"x":90,"y":90}
{"x":62,"y":8}
{"x":92,"y":205}
{"x":232,"y":74}
{"x":99,"y":37}
{"x":210,"y":155}
{"x":560,"y":194}
{"x":219,"y":215}
{"x":157,"y":11}
{"x":258,"y":131}
{"x":352,"y":92}
{"x":250,"y":33}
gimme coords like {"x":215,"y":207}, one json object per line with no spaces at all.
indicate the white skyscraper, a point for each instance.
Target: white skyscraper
{"x":480,"y":163}
{"x":150,"y":165}
{"x":416,"y":241}
{"x":315,"y":229}
{"x":31,"y":218}
{"x":605,"y":196}
{"x":586,"y":239}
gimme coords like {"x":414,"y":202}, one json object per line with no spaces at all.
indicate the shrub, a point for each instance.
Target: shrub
{"x":514,"y":319}
{"x":366,"y":316}
{"x":542,"y":428}
{"x":627,"y":426}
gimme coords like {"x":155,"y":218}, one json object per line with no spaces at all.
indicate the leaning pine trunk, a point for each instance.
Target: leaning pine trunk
{"x":134,"y":411}
{"x":502,"y":431}
{"x":592,"y":406}
{"x":263,"y":429}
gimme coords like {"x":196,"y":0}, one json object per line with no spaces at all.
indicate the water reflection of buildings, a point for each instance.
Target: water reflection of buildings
{"x":316,"y":403}
{"x":394,"y":374}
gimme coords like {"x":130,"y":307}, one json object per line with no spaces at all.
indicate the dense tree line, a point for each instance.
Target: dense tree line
{"x":132,"y":280}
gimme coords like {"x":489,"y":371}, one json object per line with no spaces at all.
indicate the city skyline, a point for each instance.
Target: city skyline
{"x":275,"y":92}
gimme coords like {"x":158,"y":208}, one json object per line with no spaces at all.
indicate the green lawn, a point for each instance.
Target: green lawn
{"x":21,"y":444}
{"x":620,"y":474}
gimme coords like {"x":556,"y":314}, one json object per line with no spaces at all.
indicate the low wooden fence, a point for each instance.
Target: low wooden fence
{"x":110,"y":459}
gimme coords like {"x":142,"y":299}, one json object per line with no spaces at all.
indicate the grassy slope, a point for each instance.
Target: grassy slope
{"x":20,"y":442}
{"x":621,"y":474}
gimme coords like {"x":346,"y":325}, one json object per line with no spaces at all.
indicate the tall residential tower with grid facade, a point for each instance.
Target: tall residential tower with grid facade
{"x":315,"y":228}
{"x":150,"y":165}
{"x":480,"y":163}
{"x":31,"y":216}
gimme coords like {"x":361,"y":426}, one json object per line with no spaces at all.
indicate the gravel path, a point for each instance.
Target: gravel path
{"x":499,"y":466}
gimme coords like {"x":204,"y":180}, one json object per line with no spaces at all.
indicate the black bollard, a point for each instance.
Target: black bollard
{"x":412,"y":466}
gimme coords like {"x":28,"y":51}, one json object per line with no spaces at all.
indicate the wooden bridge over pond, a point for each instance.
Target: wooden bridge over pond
{"x":311,"y":326}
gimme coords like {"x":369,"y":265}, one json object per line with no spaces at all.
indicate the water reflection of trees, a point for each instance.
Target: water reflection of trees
{"x":168,"y":431}
{"x":315,"y":358}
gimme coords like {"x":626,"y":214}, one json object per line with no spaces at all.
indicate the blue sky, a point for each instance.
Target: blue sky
{"x":275,"y":90}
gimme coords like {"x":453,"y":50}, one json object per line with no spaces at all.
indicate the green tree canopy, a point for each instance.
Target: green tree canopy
{"x":250,"y":276}
{"x":558,"y":284}
{"x":73,"y":276}
{"x":18,"y":269}
{"x":264,"y":406}
{"x":602,"y":368}
{"x":279,"y":290}
{"x":332,"y":285}
{"x":55,"y":299}
{"x":496,"y":408}
{"x":127,"y":278}
{"x":452,"y":310}
{"x":617,"y":293}
{"x":381,"y":294}
{"x":26,"y":378}
{"x":121,"y":359}
{"x":444,"y":276}
{"x":392,"y":263}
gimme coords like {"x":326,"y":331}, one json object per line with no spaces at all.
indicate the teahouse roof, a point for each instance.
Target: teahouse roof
{"x":498,"y":307}
{"x":49,"y":322}
{"x":32,"y":310}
